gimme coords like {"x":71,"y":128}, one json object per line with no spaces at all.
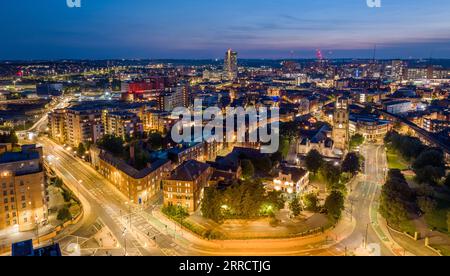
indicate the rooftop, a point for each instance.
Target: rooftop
{"x":189,"y":171}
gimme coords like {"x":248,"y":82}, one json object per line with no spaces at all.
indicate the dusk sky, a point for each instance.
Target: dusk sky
{"x":48,"y":29}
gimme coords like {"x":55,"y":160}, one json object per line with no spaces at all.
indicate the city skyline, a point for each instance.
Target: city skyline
{"x":178,"y":30}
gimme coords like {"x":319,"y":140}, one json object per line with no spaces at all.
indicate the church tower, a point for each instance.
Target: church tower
{"x":341,"y":124}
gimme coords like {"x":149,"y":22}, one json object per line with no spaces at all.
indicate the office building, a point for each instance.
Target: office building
{"x":231,"y":65}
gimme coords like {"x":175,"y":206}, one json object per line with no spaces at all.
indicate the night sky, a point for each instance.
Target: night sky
{"x":102,"y":29}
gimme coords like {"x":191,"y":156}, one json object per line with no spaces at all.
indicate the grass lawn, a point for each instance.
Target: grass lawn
{"x":396,"y":162}
{"x":445,"y":249}
{"x":408,"y":227}
{"x":437,"y":220}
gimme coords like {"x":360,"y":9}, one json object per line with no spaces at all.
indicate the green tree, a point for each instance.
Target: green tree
{"x":351,"y":163}
{"x":430,"y":166}
{"x":284,"y":147}
{"x":314,"y":161}
{"x":430,"y":175}
{"x":332,"y":176}
{"x":64,"y":214}
{"x":81,"y":151}
{"x":276,"y":199}
{"x":397,"y":200}
{"x":356,"y":141}
{"x":447,"y":181}
{"x":427,"y":204}
{"x":112,"y":144}
{"x":431,"y":157}
{"x":295,"y":207}
{"x":212,"y":205}
{"x":311,"y":202}
{"x":334,"y":204}
{"x":67,"y":195}
{"x":248,"y":170}
{"x":155,"y":140}
{"x":9,"y":137}
{"x":263,"y":165}
{"x":245,"y":199}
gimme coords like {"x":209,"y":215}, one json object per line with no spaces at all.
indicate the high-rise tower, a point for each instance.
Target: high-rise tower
{"x":231,"y":65}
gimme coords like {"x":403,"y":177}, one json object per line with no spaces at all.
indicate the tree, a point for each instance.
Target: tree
{"x":244,"y":199}
{"x":447,"y":181}
{"x":81,"y":151}
{"x":295,"y":207}
{"x":284,"y":146}
{"x":314,"y":161}
{"x":248,"y":171}
{"x":427,"y":205}
{"x":332,"y":175}
{"x":262,"y":165}
{"x":311,"y":202}
{"x":431,"y":157}
{"x":113,"y":144}
{"x":397,"y":200}
{"x":64,"y":214}
{"x":276,"y":199}
{"x":429,"y":174}
{"x":212,"y":205}
{"x":356,"y":141}
{"x":334,"y":204}
{"x":155,"y":140}
{"x":351,"y":163}
{"x":9,"y":138}
{"x":430,"y":166}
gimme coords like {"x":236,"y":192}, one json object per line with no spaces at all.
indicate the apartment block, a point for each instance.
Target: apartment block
{"x":23,"y":199}
{"x":186,"y":184}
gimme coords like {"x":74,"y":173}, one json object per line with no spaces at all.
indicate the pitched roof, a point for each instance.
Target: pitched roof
{"x":296,"y":173}
{"x":189,"y":171}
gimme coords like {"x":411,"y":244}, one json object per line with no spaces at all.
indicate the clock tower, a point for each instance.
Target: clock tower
{"x":341,"y":131}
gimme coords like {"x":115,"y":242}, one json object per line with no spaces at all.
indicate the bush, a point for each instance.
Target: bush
{"x":311,"y":202}
{"x":64,"y":214}
{"x":67,"y":195}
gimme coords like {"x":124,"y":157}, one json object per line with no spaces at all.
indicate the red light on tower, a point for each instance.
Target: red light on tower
{"x":319,"y":54}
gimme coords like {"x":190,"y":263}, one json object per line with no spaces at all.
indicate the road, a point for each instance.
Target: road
{"x":362,"y":202}
{"x":106,"y":206}
{"x":141,"y":232}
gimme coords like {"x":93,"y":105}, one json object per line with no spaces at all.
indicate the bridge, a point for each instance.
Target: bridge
{"x":425,"y":136}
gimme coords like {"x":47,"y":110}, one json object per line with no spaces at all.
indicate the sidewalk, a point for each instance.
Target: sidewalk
{"x":292,"y":246}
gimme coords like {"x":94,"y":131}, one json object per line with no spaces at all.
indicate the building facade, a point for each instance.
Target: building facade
{"x":231,"y":65}
{"x":138,"y":186}
{"x":121,"y":124}
{"x":186,"y":184}
{"x":23,"y":197}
